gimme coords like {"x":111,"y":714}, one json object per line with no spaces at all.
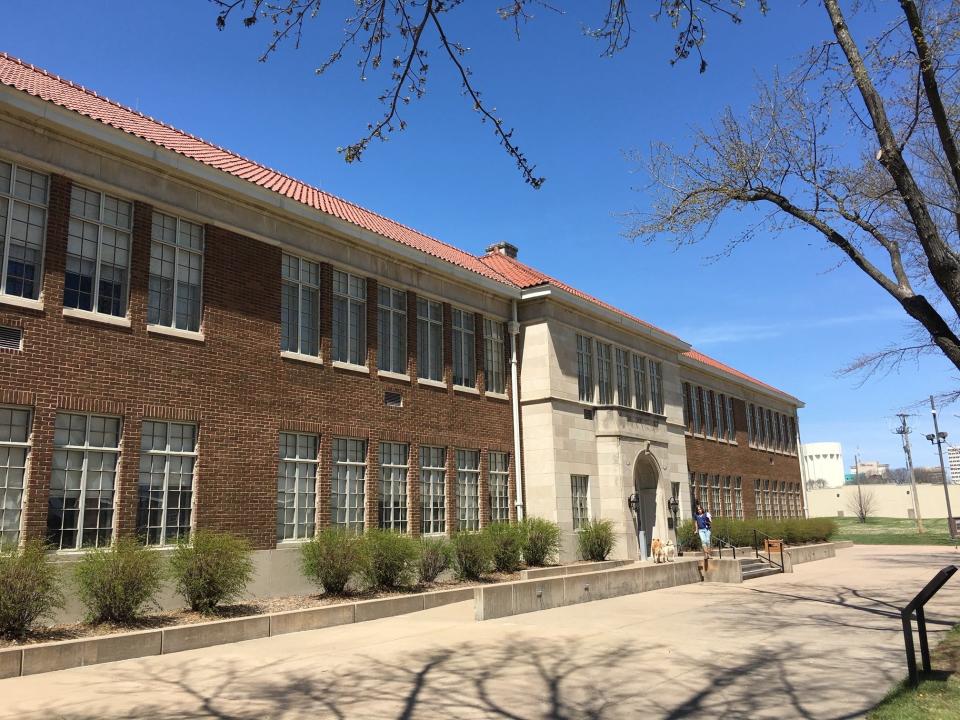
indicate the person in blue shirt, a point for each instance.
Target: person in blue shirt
{"x":704,"y":521}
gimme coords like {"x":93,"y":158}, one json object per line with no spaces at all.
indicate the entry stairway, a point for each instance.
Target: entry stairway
{"x":754,"y":567}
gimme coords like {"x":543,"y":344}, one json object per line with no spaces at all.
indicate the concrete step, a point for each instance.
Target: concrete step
{"x":750,"y":574}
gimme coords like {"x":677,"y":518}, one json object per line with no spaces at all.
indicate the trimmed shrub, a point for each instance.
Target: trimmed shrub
{"x":211,"y":568}
{"x":331,"y":558}
{"x":506,"y":546}
{"x":387,"y":559}
{"x":29,"y":589}
{"x":793,"y":531}
{"x":541,"y":541}
{"x":595,"y":540}
{"x":471,"y":555}
{"x":687,"y":538}
{"x":434,"y":558}
{"x":115,"y":583}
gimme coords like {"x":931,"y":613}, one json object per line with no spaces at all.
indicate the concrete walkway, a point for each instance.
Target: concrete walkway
{"x":824,"y":642}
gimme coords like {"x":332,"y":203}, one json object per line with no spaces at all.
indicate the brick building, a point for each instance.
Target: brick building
{"x":189,"y":339}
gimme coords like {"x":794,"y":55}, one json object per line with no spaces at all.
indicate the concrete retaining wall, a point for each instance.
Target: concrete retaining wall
{"x":842,"y":544}
{"x":799,"y":554}
{"x":46,"y":657}
{"x":575,"y":569}
{"x":503,"y":600}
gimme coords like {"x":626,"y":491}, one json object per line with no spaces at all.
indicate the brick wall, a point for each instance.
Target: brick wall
{"x":233,"y":384}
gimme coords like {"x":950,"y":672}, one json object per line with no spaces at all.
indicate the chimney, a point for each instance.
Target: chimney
{"x":504,"y":248}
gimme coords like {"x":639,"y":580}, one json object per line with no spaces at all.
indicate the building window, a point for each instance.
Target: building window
{"x":623,"y":377}
{"x":768,"y":428}
{"x":429,"y":339}
{"x":687,"y":419}
{"x":778,"y":433}
{"x":98,"y":252}
{"x":793,"y":434}
{"x":392,"y":330}
{"x":656,"y":386}
{"x":494,"y":365}
{"x":300,"y":306}
{"x":604,"y":374}
{"x":579,"y":499}
{"x":464,"y":349}
{"x":297,"y":486}
{"x":785,"y":437}
{"x":349,"y":318}
{"x":393,"y":486}
{"x":349,"y":478}
{"x":640,"y":396}
{"x":433,"y":473}
{"x":731,"y":428}
{"x":498,"y":467}
{"x":708,"y":412}
{"x":758,"y":498}
{"x":585,"y":368}
{"x":468,"y":489}
{"x":751,"y":426}
{"x":80,"y":509}
{"x":696,"y":404}
{"x":23,"y":220}
{"x":14,"y":448}
{"x":716,"y":503}
{"x":176,"y":273}
{"x":738,"y":497}
{"x":721,"y":427}
{"x":168,"y":453}
{"x":727,"y":497}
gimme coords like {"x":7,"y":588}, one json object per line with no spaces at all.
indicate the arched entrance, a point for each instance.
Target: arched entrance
{"x":646,"y":478}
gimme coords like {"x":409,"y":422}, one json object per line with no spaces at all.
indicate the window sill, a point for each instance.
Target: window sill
{"x":194,"y":335}
{"x":351,"y":367}
{"x":387,"y":374}
{"x":96,"y":317}
{"x":21,"y":302}
{"x":497,"y":396}
{"x":432,"y":383}
{"x":466,"y":390}
{"x":301,"y":357}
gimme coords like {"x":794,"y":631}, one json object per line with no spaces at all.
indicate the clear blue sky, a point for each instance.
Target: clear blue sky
{"x":777,"y":309}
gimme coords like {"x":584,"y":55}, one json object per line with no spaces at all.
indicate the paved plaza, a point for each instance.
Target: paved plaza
{"x":824,"y":642}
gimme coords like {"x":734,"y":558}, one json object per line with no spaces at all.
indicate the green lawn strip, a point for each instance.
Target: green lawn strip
{"x":893,"y":531}
{"x":934,"y":699}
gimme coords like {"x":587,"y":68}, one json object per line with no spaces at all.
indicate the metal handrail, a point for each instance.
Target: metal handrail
{"x":721,"y":542}
{"x":915,"y":606}
{"x":769,"y":556}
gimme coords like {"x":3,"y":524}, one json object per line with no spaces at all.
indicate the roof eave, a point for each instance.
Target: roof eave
{"x":176,"y":163}
{"x":730,"y":377}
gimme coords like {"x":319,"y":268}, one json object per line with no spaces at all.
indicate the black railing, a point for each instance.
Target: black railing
{"x":915,"y":607}
{"x":767,"y":555}
{"x":721,"y":543}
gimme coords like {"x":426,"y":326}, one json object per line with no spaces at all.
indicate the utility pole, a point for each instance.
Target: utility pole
{"x":937,"y":438}
{"x":904,"y":432}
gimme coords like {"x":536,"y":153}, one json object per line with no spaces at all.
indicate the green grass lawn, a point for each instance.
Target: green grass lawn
{"x":933,"y":699}
{"x":892,"y":531}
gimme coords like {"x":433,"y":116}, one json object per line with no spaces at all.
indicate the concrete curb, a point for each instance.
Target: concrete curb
{"x":64,"y":654}
{"x":578,"y":569}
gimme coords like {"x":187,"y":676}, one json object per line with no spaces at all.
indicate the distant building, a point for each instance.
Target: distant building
{"x":822,"y":464}
{"x":870,"y":469}
{"x":953,"y":458}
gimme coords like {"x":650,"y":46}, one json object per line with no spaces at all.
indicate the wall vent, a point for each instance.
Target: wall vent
{"x":392,"y":399}
{"x":11,"y":338}
{"x":588,"y":414}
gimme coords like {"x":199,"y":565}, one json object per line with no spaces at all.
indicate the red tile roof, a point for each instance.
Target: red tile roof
{"x":46,"y":86}
{"x":524,"y":276}
{"x":717,"y":365}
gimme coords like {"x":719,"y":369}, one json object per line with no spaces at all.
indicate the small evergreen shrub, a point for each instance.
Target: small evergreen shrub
{"x":211,"y":568}
{"x":471,"y":555}
{"x":506,"y":546}
{"x":434,"y":558}
{"x":541,"y":541}
{"x":387,"y":559}
{"x":115,"y":583}
{"x":29,"y":589}
{"x":595,"y":540}
{"x":331,"y":558}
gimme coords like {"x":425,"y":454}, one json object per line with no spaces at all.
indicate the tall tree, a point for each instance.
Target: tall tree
{"x":858,"y":145}
{"x":398,"y":35}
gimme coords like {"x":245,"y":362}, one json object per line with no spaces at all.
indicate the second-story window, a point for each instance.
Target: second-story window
{"x":429,"y":339}
{"x":585,"y":368}
{"x":707,"y":412}
{"x":349,"y":318}
{"x":300,"y":306}
{"x":731,"y":428}
{"x":604,"y":374}
{"x":640,"y":401}
{"x":464,"y":349}
{"x":623,"y":377}
{"x":392,"y":330}
{"x":494,"y":357}
{"x":176,"y":273}
{"x":695,"y":407}
{"x":656,"y":386}
{"x":687,"y":419}
{"x":98,"y":252}
{"x":23,"y":218}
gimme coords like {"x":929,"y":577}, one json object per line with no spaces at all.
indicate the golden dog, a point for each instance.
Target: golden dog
{"x":657,"y":552}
